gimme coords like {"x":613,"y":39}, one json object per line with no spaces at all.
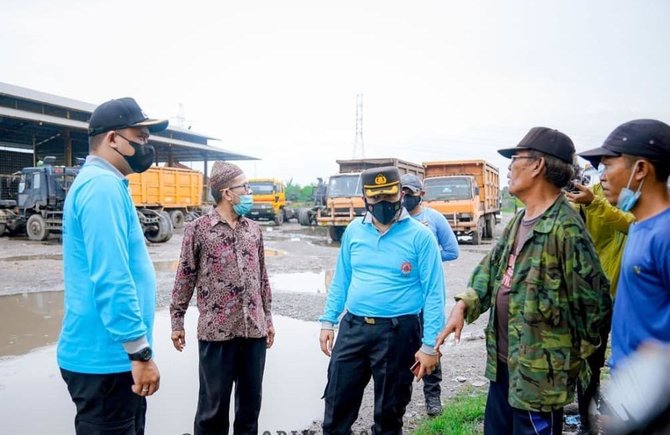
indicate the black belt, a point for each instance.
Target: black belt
{"x":380,"y":320}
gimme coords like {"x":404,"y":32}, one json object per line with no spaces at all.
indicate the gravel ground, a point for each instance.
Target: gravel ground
{"x":290,"y":249}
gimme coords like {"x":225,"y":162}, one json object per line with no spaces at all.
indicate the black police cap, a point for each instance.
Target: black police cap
{"x":381,"y":181}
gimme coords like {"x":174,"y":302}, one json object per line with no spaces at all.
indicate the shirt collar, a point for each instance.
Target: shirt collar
{"x":215,"y":218}
{"x":549,"y":217}
{"x":104,"y":164}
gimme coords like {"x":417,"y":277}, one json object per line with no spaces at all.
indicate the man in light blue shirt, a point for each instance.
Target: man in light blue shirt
{"x":388,"y":271}
{"x":104,"y":349}
{"x":412,"y":187}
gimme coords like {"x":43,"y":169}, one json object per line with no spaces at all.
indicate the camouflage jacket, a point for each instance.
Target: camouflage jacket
{"x":559,"y":299}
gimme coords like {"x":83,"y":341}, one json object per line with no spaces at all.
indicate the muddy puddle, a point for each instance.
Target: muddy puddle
{"x":30,"y":383}
{"x":301,"y":282}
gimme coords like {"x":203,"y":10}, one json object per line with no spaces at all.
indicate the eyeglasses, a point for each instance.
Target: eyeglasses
{"x":246,"y":186}
{"x":143,"y":140}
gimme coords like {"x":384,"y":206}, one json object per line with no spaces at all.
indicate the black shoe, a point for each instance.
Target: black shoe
{"x":433,"y":407}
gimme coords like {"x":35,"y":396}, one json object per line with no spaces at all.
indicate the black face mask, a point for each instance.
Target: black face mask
{"x":411,"y":202}
{"x":143,"y":157}
{"x":384,"y":211}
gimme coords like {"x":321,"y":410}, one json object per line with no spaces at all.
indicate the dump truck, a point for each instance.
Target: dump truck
{"x":269,"y":200}
{"x":467,"y":193}
{"x":175,"y":191}
{"x":344,"y":198}
{"x":36,"y":206}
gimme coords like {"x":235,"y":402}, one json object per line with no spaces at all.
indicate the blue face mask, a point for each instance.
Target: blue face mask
{"x":244,"y":206}
{"x":628,"y":198}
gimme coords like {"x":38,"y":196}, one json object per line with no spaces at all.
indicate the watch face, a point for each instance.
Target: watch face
{"x":143,"y":355}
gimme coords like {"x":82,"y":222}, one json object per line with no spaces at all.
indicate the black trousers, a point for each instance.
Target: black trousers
{"x":596,"y":362}
{"x":431,"y":384}
{"x":105,"y":404}
{"x":501,"y":419}
{"x":240,"y":361}
{"x":384,"y":350}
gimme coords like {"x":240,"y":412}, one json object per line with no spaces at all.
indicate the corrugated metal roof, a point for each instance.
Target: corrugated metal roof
{"x":69,"y":103}
{"x":176,"y":144}
{"x":43,"y":97}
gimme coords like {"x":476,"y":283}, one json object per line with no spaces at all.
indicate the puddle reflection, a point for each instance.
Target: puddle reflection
{"x":301,"y":282}
{"x":28,"y":321}
{"x":31,"y":385}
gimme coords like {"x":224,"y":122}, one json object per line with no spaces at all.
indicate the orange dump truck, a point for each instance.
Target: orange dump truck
{"x":175,"y":192}
{"x":467,"y":193}
{"x":344,"y":198}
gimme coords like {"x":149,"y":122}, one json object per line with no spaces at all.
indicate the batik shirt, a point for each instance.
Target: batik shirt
{"x":227,"y":267}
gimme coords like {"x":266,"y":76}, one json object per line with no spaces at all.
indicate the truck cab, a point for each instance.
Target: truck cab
{"x":467,"y":193}
{"x":344,"y":201}
{"x":41,"y":196}
{"x":455,"y":197}
{"x":269,"y":200}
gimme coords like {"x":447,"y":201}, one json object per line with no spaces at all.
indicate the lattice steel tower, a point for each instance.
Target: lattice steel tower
{"x":359,"y":147}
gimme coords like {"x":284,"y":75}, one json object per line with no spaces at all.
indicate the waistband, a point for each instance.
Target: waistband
{"x":380,"y":320}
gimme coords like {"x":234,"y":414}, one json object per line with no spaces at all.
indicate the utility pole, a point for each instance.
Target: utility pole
{"x":359,"y":147}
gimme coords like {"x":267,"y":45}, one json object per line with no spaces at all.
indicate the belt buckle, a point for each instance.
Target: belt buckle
{"x":369,"y":320}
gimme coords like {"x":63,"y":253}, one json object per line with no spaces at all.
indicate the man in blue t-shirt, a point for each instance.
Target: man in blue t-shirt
{"x":104,"y":351}
{"x":636,"y":159}
{"x":412,"y":187}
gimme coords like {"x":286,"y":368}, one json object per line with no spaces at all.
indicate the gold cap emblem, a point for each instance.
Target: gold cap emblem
{"x":380,"y":179}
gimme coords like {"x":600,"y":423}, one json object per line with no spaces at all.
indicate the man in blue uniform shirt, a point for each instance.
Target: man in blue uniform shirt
{"x":104,"y":348}
{"x":388,"y":271}
{"x":636,"y":159}
{"x":413,"y":192}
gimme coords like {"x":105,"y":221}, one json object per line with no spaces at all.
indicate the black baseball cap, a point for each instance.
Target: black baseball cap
{"x":381,"y":181}
{"x":545,"y":140}
{"x":119,"y":114}
{"x":646,"y":138}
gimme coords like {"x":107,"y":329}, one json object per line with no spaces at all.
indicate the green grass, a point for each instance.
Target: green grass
{"x":463,"y":415}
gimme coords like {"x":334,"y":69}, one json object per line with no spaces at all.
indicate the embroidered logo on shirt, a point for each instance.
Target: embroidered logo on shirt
{"x":406,"y":268}
{"x":637,"y":270}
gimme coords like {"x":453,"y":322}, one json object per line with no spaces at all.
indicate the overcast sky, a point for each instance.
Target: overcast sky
{"x":278,"y":79}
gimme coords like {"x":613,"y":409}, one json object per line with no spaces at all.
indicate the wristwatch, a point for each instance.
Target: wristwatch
{"x":142,"y":355}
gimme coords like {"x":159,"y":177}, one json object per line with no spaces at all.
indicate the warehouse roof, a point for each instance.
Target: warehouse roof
{"x":30,"y":118}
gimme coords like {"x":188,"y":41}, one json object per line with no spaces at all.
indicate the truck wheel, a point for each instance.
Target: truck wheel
{"x":335,"y":233}
{"x":169,"y":228}
{"x":489,"y":226}
{"x":303,"y":217}
{"x":3,"y":227}
{"x":279,"y":217}
{"x":478,"y":233}
{"x":36,"y":228}
{"x":177,"y":218}
{"x":163,"y":232}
